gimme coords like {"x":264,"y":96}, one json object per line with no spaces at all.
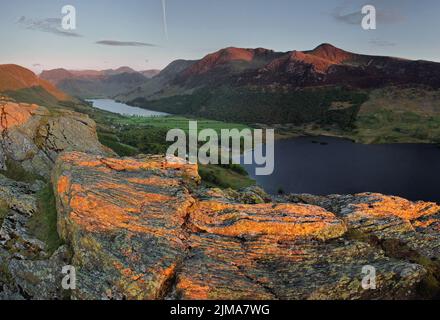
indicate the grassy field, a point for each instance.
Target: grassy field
{"x":178,"y":122}
{"x":377,"y":127}
{"x":391,"y":115}
{"x":217,"y":176}
{"x":35,"y":95}
{"x":129,"y":136}
{"x":388,"y":126}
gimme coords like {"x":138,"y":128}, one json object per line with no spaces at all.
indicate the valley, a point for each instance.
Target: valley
{"x":87,"y":182}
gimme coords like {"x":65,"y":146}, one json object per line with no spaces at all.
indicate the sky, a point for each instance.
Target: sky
{"x":149,"y":34}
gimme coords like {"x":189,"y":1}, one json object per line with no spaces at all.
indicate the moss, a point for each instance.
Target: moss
{"x":4,"y":209}
{"x":220,"y":177}
{"x":43,"y":224}
{"x":357,"y":235}
{"x":5,"y":274}
{"x":16,"y":172}
{"x":429,"y":287}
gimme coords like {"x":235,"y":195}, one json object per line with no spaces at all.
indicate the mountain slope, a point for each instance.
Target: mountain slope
{"x":158,"y":83}
{"x":16,"y":79}
{"x":324,"y":65}
{"x":326,"y":85}
{"x":93,"y":83}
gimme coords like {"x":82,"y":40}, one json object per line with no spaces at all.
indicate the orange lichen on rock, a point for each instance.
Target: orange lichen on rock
{"x":154,"y":180}
{"x":92,"y":210}
{"x":283,"y":220}
{"x":14,"y":114}
{"x":380,"y":205}
{"x":63,"y":185}
{"x":140,"y":229}
{"x":181,"y":167}
{"x":192,"y":289}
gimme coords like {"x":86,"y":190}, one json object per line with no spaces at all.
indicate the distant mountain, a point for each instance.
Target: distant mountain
{"x":95,"y":83}
{"x":25,"y":86}
{"x":261,"y":85}
{"x":324,"y":65}
{"x":111,"y":72}
{"x":159,"y":83}
{"x":150,"y":73}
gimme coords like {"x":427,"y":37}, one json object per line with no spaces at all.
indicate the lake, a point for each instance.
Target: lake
{"x":324,"y":165}
{"x":124,"y":109}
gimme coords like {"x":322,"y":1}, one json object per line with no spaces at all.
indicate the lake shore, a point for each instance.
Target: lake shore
{"x":325,"y":165}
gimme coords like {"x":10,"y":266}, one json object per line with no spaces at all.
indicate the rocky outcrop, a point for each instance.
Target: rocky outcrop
{"x":33,"y":136}
{"x":141,"y":228}
{"x":27,"y":269}
{"x":415,"y":225}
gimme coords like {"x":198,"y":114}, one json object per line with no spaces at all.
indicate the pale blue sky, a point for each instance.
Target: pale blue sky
{"x":406,"y":28}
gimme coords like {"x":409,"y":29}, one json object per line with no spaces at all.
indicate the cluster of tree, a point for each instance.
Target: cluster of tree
{"x":148,"y":140}
{"x":249,"y":105}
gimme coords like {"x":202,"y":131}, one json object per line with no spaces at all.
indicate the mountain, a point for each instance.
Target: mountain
{"x":25,"y":86}
{"x":158,"y":83}
{"x":264,"y":86}
{"x":55,"y":76}
{"x":102,"y":87}
{"x":111,"y":72}
{"x":324,"y":65}
{"x":95,"y":83}
{"x":150,"y":73}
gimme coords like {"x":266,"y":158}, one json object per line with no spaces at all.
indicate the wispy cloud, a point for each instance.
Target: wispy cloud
{"x":345,"y":13}
{"x":49,"y":25}
{"x":382,"y":43}
{"x":124,"y":43}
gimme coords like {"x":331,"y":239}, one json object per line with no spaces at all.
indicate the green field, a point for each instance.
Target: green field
{"x":390,"y":115}
{"x":177,"y":122}
{"x":388,"y":126}
{"x":218,"y":176}
{"x":132,"y":135}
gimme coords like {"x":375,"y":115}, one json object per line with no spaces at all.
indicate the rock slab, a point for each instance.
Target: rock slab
{"x":141,"y":228}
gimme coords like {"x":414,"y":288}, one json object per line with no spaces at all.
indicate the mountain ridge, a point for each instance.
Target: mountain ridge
{"x":14,"y":77}
{"x":322,"y":66}
{"x":97,"y":83}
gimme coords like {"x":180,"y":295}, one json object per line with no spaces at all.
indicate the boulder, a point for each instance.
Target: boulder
{"x":27,"y":269}
{"x":33,"y":136}
{"x":141,"y":228}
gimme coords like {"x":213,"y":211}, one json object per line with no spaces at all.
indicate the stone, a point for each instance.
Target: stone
{"x":142,"y":228}
{"x":27,"y":270}
{"x":33,"y":136}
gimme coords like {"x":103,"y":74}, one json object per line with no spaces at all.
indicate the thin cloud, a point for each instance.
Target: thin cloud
{"x":349,"y":18}
{"x":124,"y":43}
{"x":382,"y":43}
{"x":49,"y":25}
{"x":346,"y":14}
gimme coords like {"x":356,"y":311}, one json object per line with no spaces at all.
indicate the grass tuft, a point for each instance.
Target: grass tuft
{"x":16,"y":172}
{"x":43,"y":224}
